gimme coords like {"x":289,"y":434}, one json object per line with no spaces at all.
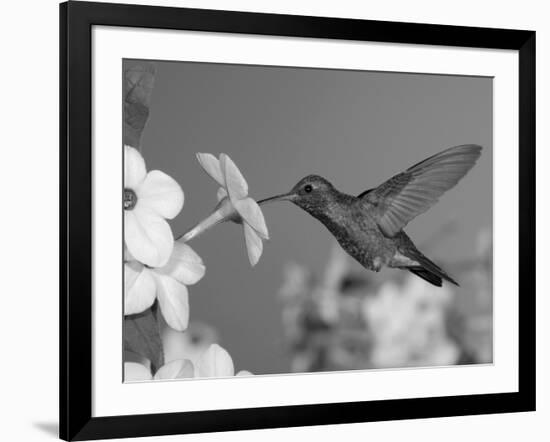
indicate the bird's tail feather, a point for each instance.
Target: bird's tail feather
{"x":429,"y":271}
{"x":426,"y":275}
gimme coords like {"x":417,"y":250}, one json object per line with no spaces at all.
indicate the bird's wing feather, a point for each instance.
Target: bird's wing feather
{"x":410,"y":193}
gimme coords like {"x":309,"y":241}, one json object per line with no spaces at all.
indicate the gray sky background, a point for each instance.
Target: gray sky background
{"x":357,"y":129}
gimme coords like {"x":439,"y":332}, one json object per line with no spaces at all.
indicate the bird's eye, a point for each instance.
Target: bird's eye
{"x":308,"y":188}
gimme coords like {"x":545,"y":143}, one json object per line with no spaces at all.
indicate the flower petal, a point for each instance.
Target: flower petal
{"x":179,"y":369}
{"x":160,"y":193}
{"x":222,"y":193}
{"x":252,"y":214}
{"x":244,"y":373}
{"x":175,"y":345}
{"x":173,"y":301}
{"x":185,"y":265}
{"x":139,"y":288}
{"x":235,"y":183}
{"x":214,"y":362}
{"x":211,"y":166}
{"x":127,"y":255}
{"x":134,"y":167}
{"x":190,"y":344}
{"x":130,"y":356}
{"x":136,"y":372}
{"x":254,"y":245}
{"x":148,"y":236}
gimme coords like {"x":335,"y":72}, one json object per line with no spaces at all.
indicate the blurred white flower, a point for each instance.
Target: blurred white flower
{"x":408,"y":325}
{"x":189,"y":344}
{"x":180,"y":369}
{"x":295,"y":281}
{"x":216,"y":362}
{"x":167,"y":284}
{"x":149,"y":199}
{"x":234,"y":204}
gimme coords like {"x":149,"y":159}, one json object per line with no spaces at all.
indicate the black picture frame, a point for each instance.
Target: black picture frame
{"x":76,"y":21}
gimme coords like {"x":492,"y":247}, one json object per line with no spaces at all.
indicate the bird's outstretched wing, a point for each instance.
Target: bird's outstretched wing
{"x":412,"y":192}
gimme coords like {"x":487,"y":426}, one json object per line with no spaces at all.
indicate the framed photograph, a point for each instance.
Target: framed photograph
{"x":273,"y":220}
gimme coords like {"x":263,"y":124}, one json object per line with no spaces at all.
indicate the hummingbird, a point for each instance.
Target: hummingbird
{"x":369,"y":226}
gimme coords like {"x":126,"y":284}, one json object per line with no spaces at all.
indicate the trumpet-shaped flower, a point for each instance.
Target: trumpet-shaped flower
{"x":234,"y":204}
{"x":180,"y":369}
{"x":149,"y":200}
{"x":168,"y":284}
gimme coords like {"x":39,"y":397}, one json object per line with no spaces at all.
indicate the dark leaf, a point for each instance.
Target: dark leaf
{"x":142,"y":336}
{"x":138,"y":85}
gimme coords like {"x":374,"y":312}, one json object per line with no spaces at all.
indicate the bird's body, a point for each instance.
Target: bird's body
{"x":355,"y":230}
{"x":369,"y":226}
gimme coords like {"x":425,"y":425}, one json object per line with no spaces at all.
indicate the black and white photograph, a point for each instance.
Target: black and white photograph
{"x":276,"y":220}
{"x":285,"y":220}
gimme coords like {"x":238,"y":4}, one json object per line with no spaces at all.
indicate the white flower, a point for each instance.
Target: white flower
{"x":407,"y":323}
{"x":216,"y":362}
{"x":180,"y":369}
{"x":149,"y":199}
{"x":167,"y":284}
{"x":190,"y":344}
{"x":233,"y":204}
{"x":197,"y":345}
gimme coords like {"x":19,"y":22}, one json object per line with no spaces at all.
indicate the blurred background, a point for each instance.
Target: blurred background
{"x":306,"y":306}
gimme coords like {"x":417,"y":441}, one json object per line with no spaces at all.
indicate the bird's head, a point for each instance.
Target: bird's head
{"x":311,"y":193}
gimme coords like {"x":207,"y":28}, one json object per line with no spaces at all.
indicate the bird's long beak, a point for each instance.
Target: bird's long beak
{"x":284,"y":197}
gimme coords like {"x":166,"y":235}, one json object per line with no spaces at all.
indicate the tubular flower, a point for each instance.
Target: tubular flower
{"x":234,"y":204}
